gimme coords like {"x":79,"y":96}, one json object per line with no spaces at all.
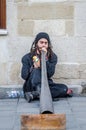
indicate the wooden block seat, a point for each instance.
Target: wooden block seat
{"x":43,"y":122}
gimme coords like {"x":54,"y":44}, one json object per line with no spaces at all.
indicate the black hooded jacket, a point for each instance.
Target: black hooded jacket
{"x":27,"y":65}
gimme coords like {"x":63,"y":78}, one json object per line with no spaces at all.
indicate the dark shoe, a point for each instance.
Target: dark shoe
{"x":35,"y":94}
{"x":69,"y":95}
{"x":55,"y":99}
{"x":29,"y":96}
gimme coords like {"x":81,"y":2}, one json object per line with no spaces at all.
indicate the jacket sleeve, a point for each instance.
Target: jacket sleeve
{"x":25,"y":71}
{"x":50,"y":64}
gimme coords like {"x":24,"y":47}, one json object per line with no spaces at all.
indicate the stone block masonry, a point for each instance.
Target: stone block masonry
{"x":64,"y":20}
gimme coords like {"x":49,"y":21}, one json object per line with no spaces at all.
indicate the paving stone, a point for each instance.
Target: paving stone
{"x":5,"y":129}
{"x":83,"y":127}
{"x":7,"y":122}
{"x":10,"y":107}
{"x":7,"y":113}
{"x":71,"y":121}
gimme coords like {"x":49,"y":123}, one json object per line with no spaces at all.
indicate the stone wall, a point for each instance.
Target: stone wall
{"x":63,"y":20}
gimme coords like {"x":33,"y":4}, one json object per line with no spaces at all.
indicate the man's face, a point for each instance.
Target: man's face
{"x":42,"y":43}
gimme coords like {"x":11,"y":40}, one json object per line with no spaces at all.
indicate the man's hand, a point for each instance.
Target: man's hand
{"x":44,"y":49}
{"x":36,"y":61}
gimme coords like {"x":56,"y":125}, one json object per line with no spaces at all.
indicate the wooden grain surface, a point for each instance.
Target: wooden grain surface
{"x":43,"y":122}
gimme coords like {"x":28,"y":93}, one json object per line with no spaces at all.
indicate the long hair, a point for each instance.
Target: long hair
{"x":34,"y":48}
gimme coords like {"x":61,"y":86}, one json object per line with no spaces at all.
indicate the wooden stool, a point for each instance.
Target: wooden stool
{"x":43,"y":122}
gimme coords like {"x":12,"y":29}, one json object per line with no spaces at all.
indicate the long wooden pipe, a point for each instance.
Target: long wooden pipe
{"x":46,"y":103}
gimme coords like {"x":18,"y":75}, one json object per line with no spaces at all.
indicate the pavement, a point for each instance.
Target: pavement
{"x":12,"y":109}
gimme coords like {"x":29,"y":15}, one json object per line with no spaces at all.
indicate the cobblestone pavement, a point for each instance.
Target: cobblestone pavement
{"x":12,"y":109}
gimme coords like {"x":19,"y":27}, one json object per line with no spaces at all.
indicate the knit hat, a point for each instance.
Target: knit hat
{"x":42,"y":35}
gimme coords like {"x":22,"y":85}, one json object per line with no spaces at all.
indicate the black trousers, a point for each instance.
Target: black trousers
{"x":57,"y":90}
